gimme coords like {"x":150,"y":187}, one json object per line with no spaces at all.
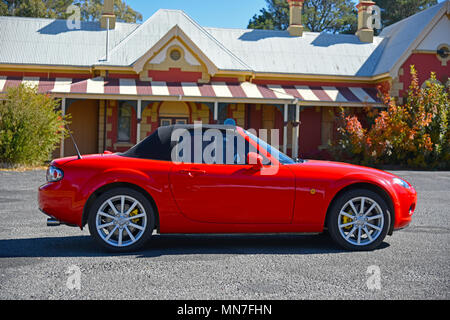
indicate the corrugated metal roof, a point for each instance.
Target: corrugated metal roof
{"x":50,"y":42}
{"x":313,"y":53}
{"x":158,"y":25}
{"x":401,"y":35}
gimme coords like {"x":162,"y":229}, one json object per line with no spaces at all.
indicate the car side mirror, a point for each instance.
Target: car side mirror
{"x":255,"y":160}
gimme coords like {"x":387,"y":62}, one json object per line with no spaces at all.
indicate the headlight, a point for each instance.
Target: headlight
{"x":401,"y":182}
{"x":54,"y":174}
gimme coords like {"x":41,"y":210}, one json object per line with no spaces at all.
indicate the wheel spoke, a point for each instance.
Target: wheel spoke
{"x":350,"y":233}
{"x":122,"y":204}
{"x":136,"y":217}
{"x":113,"y":207}
{"x":374,"y":217}
{"x":106,"y":225}
{"x":374,"y":227}
{"x":359,"y":235}
{"x":131,"y":208}
{"x":111,"y":233}
{"x":346,"y":224}
{"x":353,"y":207}
{"x":370,"y":209}
{"x":136,"y":226}
{"x":106,"y":215}
{"x":361,"y":210}
{"x":130,"y":234}
{"x":347,"y":215}
{"x":120,"y":237}
{"x":368,"y":234}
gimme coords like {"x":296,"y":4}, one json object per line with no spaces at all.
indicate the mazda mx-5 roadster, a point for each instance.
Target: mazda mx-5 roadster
{"x":221,"y":180}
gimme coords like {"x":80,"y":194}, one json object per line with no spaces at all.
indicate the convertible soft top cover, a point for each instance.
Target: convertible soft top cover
{"x":159,"y":145}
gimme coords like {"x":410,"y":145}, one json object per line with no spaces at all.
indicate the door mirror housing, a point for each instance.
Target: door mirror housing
{"x":255,"y":160}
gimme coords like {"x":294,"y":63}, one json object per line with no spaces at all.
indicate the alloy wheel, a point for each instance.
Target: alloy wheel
{"x":121,"y":221}
{"x":361,"y":221}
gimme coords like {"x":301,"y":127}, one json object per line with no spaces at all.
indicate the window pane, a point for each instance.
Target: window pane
{"x":124,"y":128}
{"x":165,"y":122}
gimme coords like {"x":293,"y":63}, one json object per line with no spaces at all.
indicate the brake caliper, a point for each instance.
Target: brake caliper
{"x":346,"y":220}
{"x":135,"y":212}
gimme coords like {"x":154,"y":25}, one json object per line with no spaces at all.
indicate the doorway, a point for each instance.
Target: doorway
{"x":84,"y":127}
{"x":173,"y":112}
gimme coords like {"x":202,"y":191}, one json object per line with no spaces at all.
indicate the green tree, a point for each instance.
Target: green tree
{"x":30,"y":128}
{"x":274,"y":17}
{"x":394,"y":11}
{"x":34,"y":8}
{"x":91,"y":10}
{"x":337,"y":16}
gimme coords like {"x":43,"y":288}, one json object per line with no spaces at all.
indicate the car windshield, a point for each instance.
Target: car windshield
{"x":280,"y":156}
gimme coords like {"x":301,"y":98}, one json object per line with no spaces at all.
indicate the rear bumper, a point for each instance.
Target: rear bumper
{"x":59,"y":203}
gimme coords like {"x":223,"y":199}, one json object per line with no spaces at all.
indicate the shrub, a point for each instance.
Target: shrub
{"x":415,"y":134}
{"x":30,"y":127}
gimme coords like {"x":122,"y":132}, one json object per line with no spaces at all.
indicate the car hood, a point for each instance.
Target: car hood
{"x":338,"y":169}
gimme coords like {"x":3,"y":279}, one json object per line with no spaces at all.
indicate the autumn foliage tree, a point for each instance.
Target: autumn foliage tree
{"x":415,"y":134}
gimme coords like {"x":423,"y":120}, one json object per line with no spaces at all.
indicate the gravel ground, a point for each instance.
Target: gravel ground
{"x":36,"y":261}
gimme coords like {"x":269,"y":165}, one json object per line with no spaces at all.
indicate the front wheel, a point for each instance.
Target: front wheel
{"x":121,"y":220}
{"x":359,"y":220}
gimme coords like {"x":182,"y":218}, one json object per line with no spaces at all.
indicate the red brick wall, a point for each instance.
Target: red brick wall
{"x":310,"y":132}
{"x":425,"y":63}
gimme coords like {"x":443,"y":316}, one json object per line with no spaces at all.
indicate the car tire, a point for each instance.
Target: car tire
{"x":359,"y":220}
{"x":121,"y":220}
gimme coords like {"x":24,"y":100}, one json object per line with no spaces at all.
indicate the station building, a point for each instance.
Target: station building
{"x":121,"y":81}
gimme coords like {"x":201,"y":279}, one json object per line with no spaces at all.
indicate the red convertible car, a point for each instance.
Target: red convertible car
{"x":249,"y":187}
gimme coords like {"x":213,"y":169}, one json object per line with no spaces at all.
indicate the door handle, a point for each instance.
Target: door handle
{"x":192,"y":173}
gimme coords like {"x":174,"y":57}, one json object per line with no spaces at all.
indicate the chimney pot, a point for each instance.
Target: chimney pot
{"x":365,"y":28}
{"x":295,"y":18}
{"x":108,"y":13}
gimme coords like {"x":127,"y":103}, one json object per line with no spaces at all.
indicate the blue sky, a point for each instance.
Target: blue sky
{"x":208,"y":13}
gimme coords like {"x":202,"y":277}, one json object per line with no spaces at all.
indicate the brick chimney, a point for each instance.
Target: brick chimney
{"x":108,"y":14}
{"x":365,"y":28}
{"x":295,"y":18}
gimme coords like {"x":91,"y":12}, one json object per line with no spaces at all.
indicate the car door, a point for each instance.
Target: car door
{"x":233,"y":193}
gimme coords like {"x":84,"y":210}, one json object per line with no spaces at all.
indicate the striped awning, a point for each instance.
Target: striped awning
{"x":189,"y":90}
{"x":329,"y":94}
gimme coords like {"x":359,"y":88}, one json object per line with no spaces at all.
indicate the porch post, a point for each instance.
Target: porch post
{"x":296,"y":132}
{"x":63,"y":113}
{"x":285,"y":127}
{"x":139,"y":119}
{"x":216,"y":111}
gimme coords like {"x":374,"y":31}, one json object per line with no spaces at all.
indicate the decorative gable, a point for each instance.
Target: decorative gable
{"x":175,"y":58}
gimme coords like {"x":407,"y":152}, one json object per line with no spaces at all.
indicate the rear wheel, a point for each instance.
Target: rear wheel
{"x":121,"y":220}
{"x":359,"y":220}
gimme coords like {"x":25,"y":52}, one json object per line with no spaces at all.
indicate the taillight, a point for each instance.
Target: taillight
{"x":54,"y":174}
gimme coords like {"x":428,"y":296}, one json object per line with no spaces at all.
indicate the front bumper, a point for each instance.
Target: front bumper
{"x":405,"y":207}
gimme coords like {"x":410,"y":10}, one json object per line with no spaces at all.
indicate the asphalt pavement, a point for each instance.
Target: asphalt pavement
{"x":37,"y":262}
